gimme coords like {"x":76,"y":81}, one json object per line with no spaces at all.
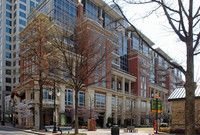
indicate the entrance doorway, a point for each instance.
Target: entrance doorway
{"x":100,"y":121}
{"x":48,"y":117}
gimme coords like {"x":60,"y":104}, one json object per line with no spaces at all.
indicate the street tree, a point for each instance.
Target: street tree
{"x":37,"y":60}
{"x":23,"y":110}
{"x":184,"y":20}
{"x":83,"y":56}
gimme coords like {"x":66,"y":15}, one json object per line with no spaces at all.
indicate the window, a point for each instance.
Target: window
{"x":38,"y":0}
{"x":8,"y":88}
{"x":8,"y":63}
{"x":8,"y":80}
{"x":81,"y":98}
{"x":100,"y":100}
{"x":119,"y":103}
{"x":96,"y":80}
{"x":113,"y":103}
{"x":8,"y":38}
{"x":135,"y":42}
{"x":9,"y":1}
{"x":22,"y":14}
{"x":8,"y":22}
{"x":104,"y":83}
{"x":8,"y":71}
{"x":23,"y":1}
{"x":32,"y":4}
{"x":8,"y":55}
{"x":9,"y":7}
{"x":69,"y":97}
{"x":32,"y":94}
{"x":127,"y":104}
{"x":9,"y":15}
{"x":8,"y":47}
{"x":46,"y":94}
{"x":22,"y":22}
{"x":23,"y":7}
{"x":103,"y":72}
{"x":20,"y":29}
{"x":8,"y":30}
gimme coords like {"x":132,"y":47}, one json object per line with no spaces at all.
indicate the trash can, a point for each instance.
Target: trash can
{"x":115,"y":130}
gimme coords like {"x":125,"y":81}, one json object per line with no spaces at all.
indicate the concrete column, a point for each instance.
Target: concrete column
{"x":129,"y":83}
{"x":115,"y":115}
{"x":123,"y":109}
{"x":108,"y":112}
{"x":37,"y":116}
{"x":123,"y":85}
{"x":62,"y":99}
{"x":89,"y":98}
{"x":137,"y":107}
{"x":148,"y":110}
{"x":115,"y":83}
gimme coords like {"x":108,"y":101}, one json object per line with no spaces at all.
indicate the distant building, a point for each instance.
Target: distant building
{"x":135,"y":68}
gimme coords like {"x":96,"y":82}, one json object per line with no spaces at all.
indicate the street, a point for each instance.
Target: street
{"x":9,"y":131}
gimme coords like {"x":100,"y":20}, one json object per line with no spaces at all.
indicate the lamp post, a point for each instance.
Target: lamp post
{"x":54,"y":97}
{"x":54,"y":123}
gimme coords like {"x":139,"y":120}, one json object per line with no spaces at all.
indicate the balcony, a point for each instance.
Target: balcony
{"x":161,"y":72}
{"x":115,"y":64}
{"x":162,"y":79}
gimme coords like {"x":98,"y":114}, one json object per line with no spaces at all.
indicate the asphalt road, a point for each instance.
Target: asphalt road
{"x":8,"y":131}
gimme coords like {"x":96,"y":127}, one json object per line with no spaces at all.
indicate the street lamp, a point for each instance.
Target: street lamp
{"x":54,"y":97}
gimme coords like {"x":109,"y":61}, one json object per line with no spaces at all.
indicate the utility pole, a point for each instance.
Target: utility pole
{"x":54,"y":95}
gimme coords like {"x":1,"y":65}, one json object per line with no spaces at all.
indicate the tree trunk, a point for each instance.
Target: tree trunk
{"x":190,"y":87}
{"x":41,"y":105}
{"x":76,"y":111}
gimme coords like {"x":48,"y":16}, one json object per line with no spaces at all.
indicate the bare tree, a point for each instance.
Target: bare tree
{"x":37,"y":56}
{"x":83,"y":55}
{"x":184,"y":21}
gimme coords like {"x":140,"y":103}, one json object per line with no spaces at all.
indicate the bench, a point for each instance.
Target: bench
{"x":48,"y":128}
{"x":61,"y":129}
{"x":132,"y":129}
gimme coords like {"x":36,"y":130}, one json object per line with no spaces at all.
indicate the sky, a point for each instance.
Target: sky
{"x":158,"y":30}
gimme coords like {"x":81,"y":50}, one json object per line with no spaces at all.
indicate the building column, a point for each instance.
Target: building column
{"x":37,"y":116}
{"x":148,"y":110}
{"x":62,"y":99}
{"x":115,"y":83}
{"x":115,"y":114}
{"x":129,"y":87}
{"x":123,"y":109}
{"x":89,"y":98}
{"x":108,"y":112}
{"x":123,"y":85}
{"x":138,"y":111}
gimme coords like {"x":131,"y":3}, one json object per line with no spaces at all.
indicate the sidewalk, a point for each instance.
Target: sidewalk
{"x":107,"y":131}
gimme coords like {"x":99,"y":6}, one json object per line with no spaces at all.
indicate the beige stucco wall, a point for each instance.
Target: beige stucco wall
{"x":178,"y":113}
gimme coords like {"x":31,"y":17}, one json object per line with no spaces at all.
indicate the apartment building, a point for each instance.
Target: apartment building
{"x":134,"y":77}
{"x":13,"y":14}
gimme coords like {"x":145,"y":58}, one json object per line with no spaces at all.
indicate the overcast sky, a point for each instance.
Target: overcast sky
{"x":157,"y":29}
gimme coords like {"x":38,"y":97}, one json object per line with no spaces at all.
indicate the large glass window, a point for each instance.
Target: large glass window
{"x":113,"y":103}
{"x":68,"y":97}
{"x":23,"y":1}
{"x":8,"y":47}
{"x":8,"y":22}
{"x":9,"y":7}
{"x":127,"y":104}
{"x":91,"y":10}
{"x":22,"y":14}
{"x":8,"y":38}
{"x":8,"y":14}
{"x":100,"y":100}
{"x":109,"y":22}
{"x":23,"y":7}
{"x":8,"y":80}
{"x":81,"y":98}
{"x":8,"y":63}
{"x":8,"y":55}
{"x":47,"y":95}
{"x":8,"y":30}
{"x":22,"y":22}
{"x":8,"y":71}
{"x":135,"y":42}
